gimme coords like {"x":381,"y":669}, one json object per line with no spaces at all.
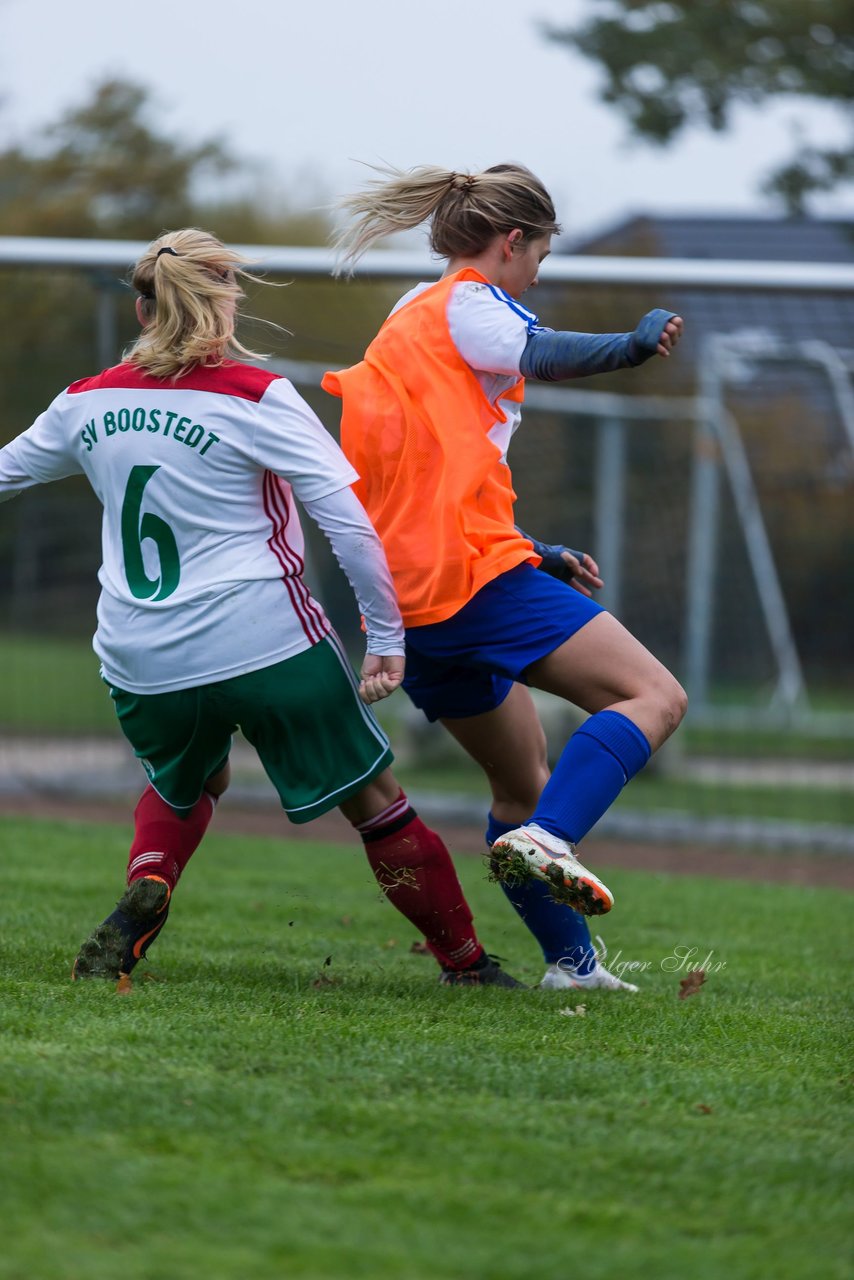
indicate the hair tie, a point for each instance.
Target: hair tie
{"x":166,"y":249}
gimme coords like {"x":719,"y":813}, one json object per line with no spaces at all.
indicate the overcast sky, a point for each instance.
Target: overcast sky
{"x":308,"y":89}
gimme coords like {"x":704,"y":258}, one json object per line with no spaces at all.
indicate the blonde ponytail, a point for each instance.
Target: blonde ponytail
{"x":189,"y":284}
{"x":465,"y":210}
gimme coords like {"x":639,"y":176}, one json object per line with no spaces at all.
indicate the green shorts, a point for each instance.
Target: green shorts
{"x":316,"y":739}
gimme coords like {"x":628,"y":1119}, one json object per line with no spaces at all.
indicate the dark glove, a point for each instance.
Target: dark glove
{"x":646,"y":337}
{"x":551,"y":554}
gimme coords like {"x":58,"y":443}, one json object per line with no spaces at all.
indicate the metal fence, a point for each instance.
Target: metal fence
{"x":715,"y":492}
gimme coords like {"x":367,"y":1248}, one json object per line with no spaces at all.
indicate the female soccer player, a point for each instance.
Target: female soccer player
{"x":427,"y":419}
{"x":204,"y":620}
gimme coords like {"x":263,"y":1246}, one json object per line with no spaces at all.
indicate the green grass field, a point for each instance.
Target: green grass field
{"x":53,"y":686}
{"x":257,"y":1113}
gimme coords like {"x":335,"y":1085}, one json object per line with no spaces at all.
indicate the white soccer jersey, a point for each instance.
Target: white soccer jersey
{"x":490,"y":329}
{"x":202,"y":547}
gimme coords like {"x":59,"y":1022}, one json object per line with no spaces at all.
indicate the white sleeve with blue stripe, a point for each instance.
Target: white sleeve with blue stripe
{"x":489,"y":328}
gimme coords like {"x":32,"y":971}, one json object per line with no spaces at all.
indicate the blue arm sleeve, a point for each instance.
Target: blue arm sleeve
{"x":551,"y":356}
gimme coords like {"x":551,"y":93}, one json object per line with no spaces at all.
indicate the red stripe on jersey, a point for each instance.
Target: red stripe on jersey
{"x":272,"y":543}
{"x":231,"y":378}
{"x":314,"y":624}
{"x":283,"y":563}
{"x":279,"y":502}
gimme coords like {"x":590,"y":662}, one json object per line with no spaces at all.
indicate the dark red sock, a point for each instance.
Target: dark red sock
{"x":165,"y":838}
{"x":415,"y":872}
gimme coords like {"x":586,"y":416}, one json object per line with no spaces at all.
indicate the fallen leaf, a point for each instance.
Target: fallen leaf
{"x":346,"y":920}
{"x":322,"y":981}
{"x":691,"y":983}
{"x":392,"y":942}
{"x":419,"y":949}
{"x":150,"y":977}
{"x":701,"y":1107}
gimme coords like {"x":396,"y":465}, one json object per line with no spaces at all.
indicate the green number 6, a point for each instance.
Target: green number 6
{"x":135,"y":530}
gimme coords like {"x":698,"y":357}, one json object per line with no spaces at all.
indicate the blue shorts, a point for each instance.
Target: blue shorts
{"x":467,"y":664}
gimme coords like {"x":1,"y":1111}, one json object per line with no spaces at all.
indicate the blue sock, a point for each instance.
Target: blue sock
{"x":595,"y":765}
{"x":561,"y":932}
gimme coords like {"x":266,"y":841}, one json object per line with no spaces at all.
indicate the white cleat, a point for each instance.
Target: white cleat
{"x":557,"y":978}
{"x":531,"y":851}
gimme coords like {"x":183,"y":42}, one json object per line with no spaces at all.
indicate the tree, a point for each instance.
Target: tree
{"x":108,"y":169}
{"x":676,"y":64}
{"x":104,"y":169}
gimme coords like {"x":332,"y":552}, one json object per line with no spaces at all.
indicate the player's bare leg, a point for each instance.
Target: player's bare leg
{"x":510,"y":746}
{"x":604,"y":667}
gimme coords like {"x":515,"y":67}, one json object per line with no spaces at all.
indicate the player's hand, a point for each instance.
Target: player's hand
{"x":584,"y":570}
{"x":574,"y":567}
{"x":670,"y":335}
{"x":380,"y":676}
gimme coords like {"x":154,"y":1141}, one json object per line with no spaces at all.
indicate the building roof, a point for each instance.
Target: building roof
{"x":741,"y":238}
{"x":753,"y":318}
{"x":789,"y":317}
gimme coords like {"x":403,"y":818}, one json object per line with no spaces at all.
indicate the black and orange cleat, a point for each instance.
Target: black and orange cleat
{"x":485,"y":972}
{"x":125,"y":936}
